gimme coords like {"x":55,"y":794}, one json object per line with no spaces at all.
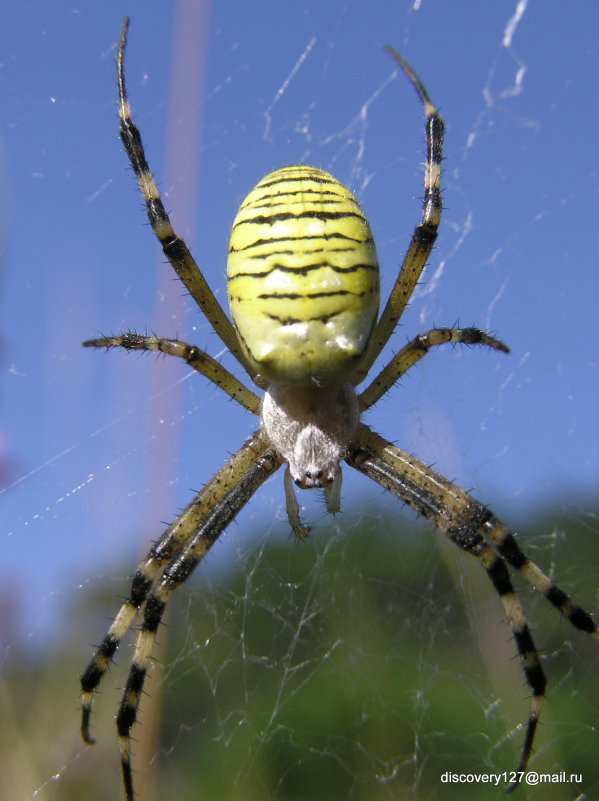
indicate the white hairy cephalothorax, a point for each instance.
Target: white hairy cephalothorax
{"x":311,"y":428}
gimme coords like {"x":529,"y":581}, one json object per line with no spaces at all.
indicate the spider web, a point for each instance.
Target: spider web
{"x":370,"y":660}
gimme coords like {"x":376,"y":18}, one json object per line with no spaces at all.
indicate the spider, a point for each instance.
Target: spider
{"x":303,"y":286}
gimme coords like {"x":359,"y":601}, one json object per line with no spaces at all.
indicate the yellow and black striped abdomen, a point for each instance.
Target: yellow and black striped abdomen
{"x":302,"y":277}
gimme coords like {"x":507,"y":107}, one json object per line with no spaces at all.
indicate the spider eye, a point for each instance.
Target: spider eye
{"x":315,"y":479}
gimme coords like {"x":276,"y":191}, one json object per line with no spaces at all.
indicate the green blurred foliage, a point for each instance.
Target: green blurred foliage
{"x":360,"y":665}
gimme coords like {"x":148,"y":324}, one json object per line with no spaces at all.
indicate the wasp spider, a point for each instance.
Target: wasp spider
{"x":303,"y":285}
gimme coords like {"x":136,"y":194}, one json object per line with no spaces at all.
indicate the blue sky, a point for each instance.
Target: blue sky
{"x":101,"y":447}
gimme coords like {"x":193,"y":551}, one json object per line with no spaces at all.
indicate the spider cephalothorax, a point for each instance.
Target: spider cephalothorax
{"x":304,"y":295}
{"x":311,"y":428}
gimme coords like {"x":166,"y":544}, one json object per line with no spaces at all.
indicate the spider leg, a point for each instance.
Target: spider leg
{"x":506,"y":545}
{"x":298,"y":527}
{"x":203,"y":531}
{"x":332,"y":494}
{"x":414,"y":350}
{"x":173,"y":246}
{"x":468,"y":524}
{"x":425,"y":233}
{"x":198,"y":359}
{"x":169,"y":546}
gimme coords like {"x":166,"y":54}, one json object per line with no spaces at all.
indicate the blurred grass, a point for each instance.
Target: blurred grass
{"x":361,"y":665}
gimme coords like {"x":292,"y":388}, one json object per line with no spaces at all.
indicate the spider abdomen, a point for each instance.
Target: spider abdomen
{"x":303,"y":277}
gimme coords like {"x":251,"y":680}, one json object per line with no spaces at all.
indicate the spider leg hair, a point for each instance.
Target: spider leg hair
{"x":425,"y":234}
{"x":473,"y":528}
{"x":175,"y":249}
{"x":198,"y":359}
{"x":415,"y":350}
{"x":217,"y":502}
